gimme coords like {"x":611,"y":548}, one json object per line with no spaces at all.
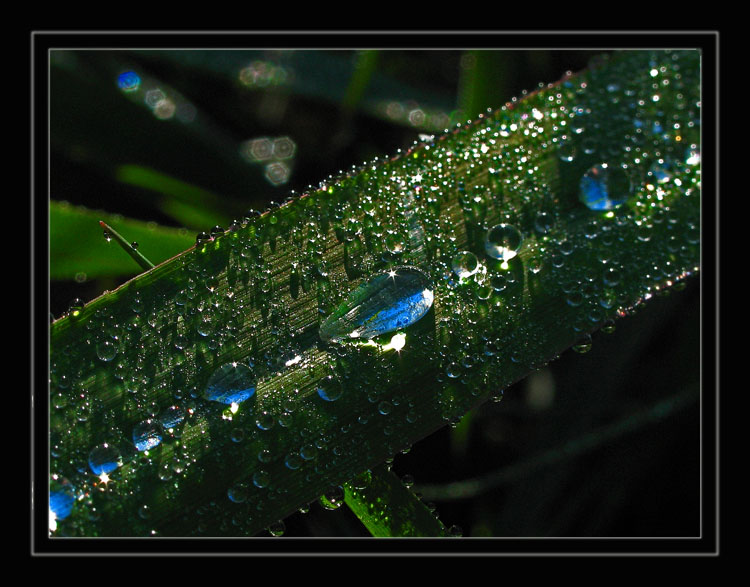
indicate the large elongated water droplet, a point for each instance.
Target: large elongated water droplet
{"x":390,"y":301}
{"x":232,"y":383}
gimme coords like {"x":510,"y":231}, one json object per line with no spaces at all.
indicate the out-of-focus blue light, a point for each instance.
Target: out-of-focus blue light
{"x":128,"y":81}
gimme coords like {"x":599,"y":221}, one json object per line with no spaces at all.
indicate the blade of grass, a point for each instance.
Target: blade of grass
{"x":388,"y":508}
{"x":76,"y":244}
{"x":134,"y":253}
{"x":255,"y":296}
{"x":189,"y":204}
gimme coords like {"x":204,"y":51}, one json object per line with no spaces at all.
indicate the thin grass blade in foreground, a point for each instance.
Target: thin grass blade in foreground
{"x":534,"y":225}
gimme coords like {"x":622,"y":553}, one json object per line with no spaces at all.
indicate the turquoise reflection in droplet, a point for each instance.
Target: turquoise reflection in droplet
{"x":232,"y":383}
{"x":388,"y":302}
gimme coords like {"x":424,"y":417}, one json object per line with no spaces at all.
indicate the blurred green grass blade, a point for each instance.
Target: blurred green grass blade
{"x":460,"y":435}
{"x":367,"y":61}
{"x":191,"y":205}
{"x":388,"y":508}
{"x":77,"y":244}
{"x":482,"y":81}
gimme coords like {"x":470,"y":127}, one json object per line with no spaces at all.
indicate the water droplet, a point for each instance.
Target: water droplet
{"x":333,"y":498}
{"x":134,"y":246}
{"x":391,"y":301}
{"x":584,"y":345}
{"x":293,"y":461}
{"x":237,"y":492}
{"x":604,"y":187}
{"x":502,"y":242}
{"x":106,"y":350}
{"x":277,"y":528}
{"x":232,"y":383}
{"x":261,"y":479}
{"x":465,"y":264}
{"x":308,"y":452}
{"x":104,"y":458}
{"x":453,"y":370}
{"x":330,"y":388}
{"x":543,"y":222}
{"x":265,"y":421}
{"x":385,"y":407}
{"x":171,"y":418}
{"x":394,"y":244}
{"x":146,"y":435}
{"x":75,"y":307}
{"x":265,"y":456}
{"x":61,"y":503}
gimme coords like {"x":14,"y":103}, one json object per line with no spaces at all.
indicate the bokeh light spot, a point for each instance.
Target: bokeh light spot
{"x":128,"y":81}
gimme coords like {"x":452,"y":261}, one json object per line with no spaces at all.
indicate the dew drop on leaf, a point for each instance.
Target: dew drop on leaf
{"x":171,"y":417}
{"x":465,"y":264}
{"x":232,"y":383}
{"x":146,"y":435}
{"x":106,"y":350}
{"x":333,"y":498}
{"x":75,"y":307}
{"x":502,"y":242}
{"x":583,"y":345}
{"x":604,"y":187}
{"x":388,"y":302}
{"x":330,"y":389}
{"x":104,"y":458}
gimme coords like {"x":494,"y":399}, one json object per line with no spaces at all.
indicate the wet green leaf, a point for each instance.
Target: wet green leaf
{"x":321,"y":414}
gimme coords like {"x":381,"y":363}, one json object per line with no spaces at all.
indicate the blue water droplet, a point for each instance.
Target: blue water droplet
{"x":604,"y":187}
{"x":61,"y":504}
{"x":104,"y":458}
{"x":61,"y":498}
{"x":388,"y":302}
{"x":171,"y":417}
{"x":330,"y":389}
{"x":232,"y":383}
{"x":146,"y":435}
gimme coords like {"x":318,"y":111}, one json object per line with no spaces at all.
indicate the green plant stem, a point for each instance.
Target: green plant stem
{"x":388,"y":508}
{"x":134,"y":253}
